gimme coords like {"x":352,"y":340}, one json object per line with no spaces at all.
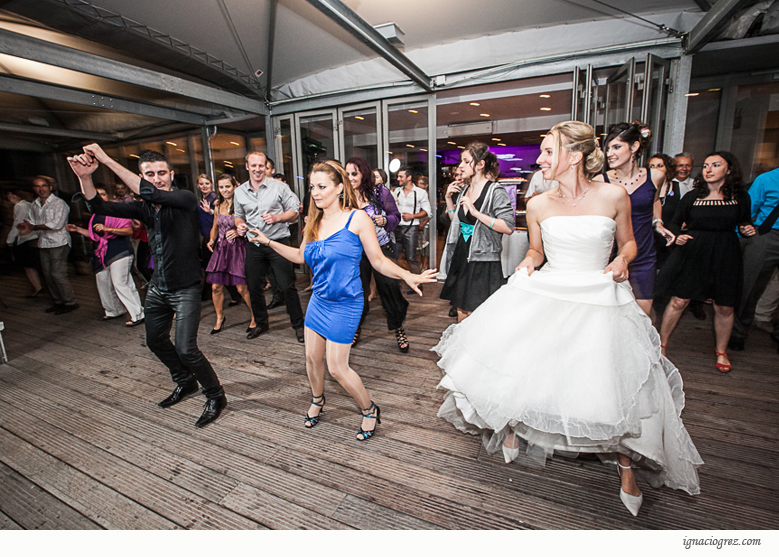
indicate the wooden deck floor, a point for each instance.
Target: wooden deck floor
{"x":83,"y":444}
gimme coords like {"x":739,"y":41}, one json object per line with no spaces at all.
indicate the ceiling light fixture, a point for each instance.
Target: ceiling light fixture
{"x":235,"y":143}
{"x":475,"y":104}
{"x":409,"y":145}
{"x":484,"y":114}
{"x":182,"y":150}
{"x":359,"y":118}
{"x":692,"y":94}
{"x":716,"y":89}
{"x":495,"y":139}
{"x":546,"y":108}
{"x":413,"y":111}
{"x":170,"y":143}
{"x":502,"y":144}
{"x":545,"y":96}
{"x":451,"y":143}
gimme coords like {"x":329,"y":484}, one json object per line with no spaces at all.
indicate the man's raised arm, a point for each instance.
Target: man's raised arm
{"x":132,"y":179}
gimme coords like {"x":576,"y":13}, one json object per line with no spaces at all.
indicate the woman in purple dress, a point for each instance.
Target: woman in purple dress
{"x":624,"y":146}
{"x":226,"y":267}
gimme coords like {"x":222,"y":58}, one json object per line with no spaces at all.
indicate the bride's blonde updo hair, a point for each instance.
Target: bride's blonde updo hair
{"x":578,"y":137}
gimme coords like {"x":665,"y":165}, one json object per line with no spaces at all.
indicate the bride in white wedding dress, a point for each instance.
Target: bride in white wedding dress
{"x":562,"y":358}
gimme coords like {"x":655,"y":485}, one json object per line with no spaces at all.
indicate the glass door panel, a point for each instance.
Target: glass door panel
{"x":655,"y":100}
{"x":619,"y":94}
{"x":360,"y":132}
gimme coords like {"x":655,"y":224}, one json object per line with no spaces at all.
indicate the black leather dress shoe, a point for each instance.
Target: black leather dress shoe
{"x":213,"y":408}
{"x":257,"y":331}
{"x":453,"y":312}
{"x":53,"y":309}
{"x":300,"y":334}
{"x":179,"y":394}
{"x":234,"y":303}
{"x":275,"y":304}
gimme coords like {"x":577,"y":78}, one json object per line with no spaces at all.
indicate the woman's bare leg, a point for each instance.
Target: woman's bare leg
{"x":629,"y":484}
{"x":243,"y":290}
{"x":218,"y":297}
{"x":646,"y":305}
{"x":32,"y":276}
{"x":338,"y":365}
{"x":315,"y":368}
{"x":673,"y":312}
{"x":723,"y":325}
{"x":462,"y":315}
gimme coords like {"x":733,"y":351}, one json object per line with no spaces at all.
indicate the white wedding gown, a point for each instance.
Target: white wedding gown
{"x":567,"y":360}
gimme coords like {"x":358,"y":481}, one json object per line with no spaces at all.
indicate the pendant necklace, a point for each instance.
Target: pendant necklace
{"x":564,"y":199}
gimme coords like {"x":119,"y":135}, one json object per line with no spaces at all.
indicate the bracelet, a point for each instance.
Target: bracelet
{"x":654,"y":222}
{"x":492,"y":223}
{"x":450,"y":212}
{"x":269,"y":241}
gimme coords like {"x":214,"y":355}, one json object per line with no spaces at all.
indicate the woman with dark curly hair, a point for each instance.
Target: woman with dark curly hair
{"x":669,"y":195}
{"x":624,"y":146}
{"x":707,"y":261}
{"x":378,"y":203}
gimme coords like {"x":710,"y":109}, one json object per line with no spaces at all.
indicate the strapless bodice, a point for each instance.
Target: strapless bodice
{"x":578,"y":243}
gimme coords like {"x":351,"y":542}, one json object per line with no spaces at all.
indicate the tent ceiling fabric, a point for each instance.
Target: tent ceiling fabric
{"x":307,"y":42}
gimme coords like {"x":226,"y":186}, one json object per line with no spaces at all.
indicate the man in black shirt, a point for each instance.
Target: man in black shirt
{"x":171,"y":220}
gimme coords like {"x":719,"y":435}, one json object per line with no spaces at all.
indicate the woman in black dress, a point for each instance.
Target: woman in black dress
{"x":669,"y":199}
{"x":480,"y":216}
{"x":706,"y":263}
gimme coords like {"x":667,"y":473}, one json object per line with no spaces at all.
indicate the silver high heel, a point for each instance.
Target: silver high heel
{"x":631,"y":502}
{"x":510,"y":454}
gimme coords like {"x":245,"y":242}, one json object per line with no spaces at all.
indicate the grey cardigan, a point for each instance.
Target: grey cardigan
{"x":485,"y":243}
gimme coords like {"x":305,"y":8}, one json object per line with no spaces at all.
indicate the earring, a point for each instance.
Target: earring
{"x":341,"y":196}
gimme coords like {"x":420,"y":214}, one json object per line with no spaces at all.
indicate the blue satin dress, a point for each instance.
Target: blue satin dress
{"x":336,"y":303}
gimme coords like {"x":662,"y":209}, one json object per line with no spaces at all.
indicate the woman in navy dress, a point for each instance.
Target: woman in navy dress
{"x":333,"y":241}
{"x":624,"y":146}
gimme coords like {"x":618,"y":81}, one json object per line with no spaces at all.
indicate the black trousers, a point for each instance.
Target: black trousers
{"x":392,"y":300}
{"x":259,"y":259}
{"x":184,"y":360}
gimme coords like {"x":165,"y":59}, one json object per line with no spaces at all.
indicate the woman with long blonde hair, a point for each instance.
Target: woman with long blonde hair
{"x":563,"y":358}
{"x":336,"y":234}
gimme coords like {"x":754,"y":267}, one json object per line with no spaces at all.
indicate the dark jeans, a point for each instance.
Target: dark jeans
{"x":406,"y":241}
{"x":392,"y":300}
{"x":259,"y":259}
{"x":184,"y":360}
{"x":54,"y":263}
{"x":761,"y":257}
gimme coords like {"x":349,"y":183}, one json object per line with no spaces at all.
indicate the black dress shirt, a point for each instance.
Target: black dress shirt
{"x":173,"y":232}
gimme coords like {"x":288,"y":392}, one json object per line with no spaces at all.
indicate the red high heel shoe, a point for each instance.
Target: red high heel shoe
{"x":724,"y":368}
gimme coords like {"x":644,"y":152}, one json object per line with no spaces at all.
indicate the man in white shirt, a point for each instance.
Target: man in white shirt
{"x":267,"y":205}
{"x":539,"y":185}
{"x":684,"y":164}
{"x":414,"y":206}
{"x":48,"y":216}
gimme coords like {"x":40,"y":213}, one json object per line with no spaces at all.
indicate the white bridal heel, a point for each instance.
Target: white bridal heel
{"x":631,"y":502}
{"x":510,"y":453}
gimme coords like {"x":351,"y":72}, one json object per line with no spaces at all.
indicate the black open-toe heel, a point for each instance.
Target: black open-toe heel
{"x":356,"y":338}
{"x":400,"y":336}
{"x":372,"y":411}
{"x":311,"y":422}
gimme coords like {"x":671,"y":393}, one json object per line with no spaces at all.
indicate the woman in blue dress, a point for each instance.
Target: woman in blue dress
{"x":333,"y":241}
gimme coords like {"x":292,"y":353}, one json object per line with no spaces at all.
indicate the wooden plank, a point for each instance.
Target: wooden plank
{"x":92,"y":499}
{"x":32,"y":508}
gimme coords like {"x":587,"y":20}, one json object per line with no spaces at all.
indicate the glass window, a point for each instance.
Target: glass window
{"x":228,"y":152}
{"x":361,"y":135}
{"x":755,"y":139}
{"x":701,"y":128}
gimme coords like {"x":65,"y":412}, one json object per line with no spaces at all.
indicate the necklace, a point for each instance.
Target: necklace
{"x":565,"y":199}
{"x":627,"y":184}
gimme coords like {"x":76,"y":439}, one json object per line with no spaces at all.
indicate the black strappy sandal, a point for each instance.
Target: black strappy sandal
{"x":311,"y":422}
{"x":372,"y":411}
{"x":400,"y":336}
{"x":356,"y":338}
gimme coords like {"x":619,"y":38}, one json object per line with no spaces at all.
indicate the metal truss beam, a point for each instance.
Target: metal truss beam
{"x":712,"y":23}
{"x":97,"y":100}
{"x":30,"y":48}
{"x":362,"y":30}
{"x":56,"y":132}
